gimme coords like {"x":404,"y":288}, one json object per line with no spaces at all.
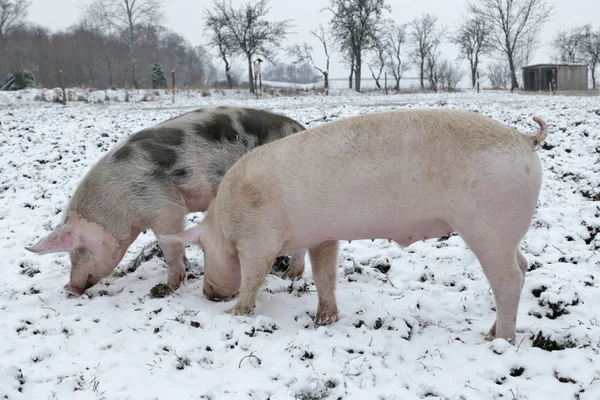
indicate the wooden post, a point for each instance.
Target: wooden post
{"x":173,"y":84}
{"x":62,"y":86}
{"x":258,"y":74}
{"x":386,"y":90}
{"x":255,"y":84}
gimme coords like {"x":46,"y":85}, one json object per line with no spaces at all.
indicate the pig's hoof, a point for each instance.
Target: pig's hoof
{"x":175,"y":282}
{"x":293,"y":274}
{"x":326,"y":318}
{"x":490,"y":337}
{"x":240,"y":310}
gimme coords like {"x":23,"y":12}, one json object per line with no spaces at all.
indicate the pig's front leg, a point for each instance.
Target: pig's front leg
{"x":254,"y":266}
{"x":324,"y":262}
{"x":296,"y":268}
{"x":170,"y":222}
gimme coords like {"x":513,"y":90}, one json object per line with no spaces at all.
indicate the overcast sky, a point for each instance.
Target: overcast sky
{"x":185,"y":17}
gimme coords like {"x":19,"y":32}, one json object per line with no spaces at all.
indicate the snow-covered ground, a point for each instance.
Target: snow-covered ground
{"x":413,"y":331}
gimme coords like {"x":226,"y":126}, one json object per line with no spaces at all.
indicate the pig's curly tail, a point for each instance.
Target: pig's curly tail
{"x":541,"y":135}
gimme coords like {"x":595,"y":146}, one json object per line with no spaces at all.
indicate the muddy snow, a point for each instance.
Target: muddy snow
{"x":412,"y":320}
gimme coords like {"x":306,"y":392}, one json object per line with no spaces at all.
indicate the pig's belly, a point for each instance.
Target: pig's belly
{"x":405,"y":231}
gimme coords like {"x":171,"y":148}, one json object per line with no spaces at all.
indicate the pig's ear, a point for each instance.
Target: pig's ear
{"x":61,"y":239}
{"x":193,"y":236}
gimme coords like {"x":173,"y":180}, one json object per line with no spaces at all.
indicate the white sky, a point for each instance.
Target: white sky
{"x":186,"y":18}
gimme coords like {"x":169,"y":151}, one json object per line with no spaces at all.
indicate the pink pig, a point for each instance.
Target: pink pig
{"x":406,"y":175}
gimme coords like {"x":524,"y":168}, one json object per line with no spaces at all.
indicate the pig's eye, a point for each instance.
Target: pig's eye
{"x":236,"y":137}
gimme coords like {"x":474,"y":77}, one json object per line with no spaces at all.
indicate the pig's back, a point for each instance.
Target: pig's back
{"x":381,"y":166}
{"x":188,"y":154}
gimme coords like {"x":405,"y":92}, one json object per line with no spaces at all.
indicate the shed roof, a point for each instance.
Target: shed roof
{"x":556,"y":65}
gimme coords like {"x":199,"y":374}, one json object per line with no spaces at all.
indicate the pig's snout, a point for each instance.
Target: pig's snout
{"x":216,"y":293}
{"x":74,"y":290}
{"x":78,"y":289}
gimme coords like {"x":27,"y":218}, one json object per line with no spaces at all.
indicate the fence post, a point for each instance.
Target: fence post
{"x":173,"y":85}
{"x":386,"y":89}
{"x":62,"y":86}
{"x":256,"y":83}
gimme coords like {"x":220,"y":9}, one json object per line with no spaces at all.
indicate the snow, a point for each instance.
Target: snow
{"x":414,"y":332}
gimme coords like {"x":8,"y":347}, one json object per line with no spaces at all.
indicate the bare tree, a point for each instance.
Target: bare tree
{"x":219,"y":37}
{"x":432,"y":68}
{"x":525,"y":49}
{"x":473,"y":40}
{"x":567,"y":45}
{"x":499,"y":75}
{"x":304,"y":52}
{"x":320,"y":34}
{"x":356,"y":24}
{"x":590,"y":48}
{"x":426,"y":38}
{"x":248,"y":32}
{"x":379,"y":61}
{"x":449,"y":75}
{"x":395,"y":38}
{"x":12,"y":14}
{"x":125,"y":17}
{"x":208,"y":69}
{"x":348,"y":59}
{"x":511,"y":22}
{"x":579,"y":44}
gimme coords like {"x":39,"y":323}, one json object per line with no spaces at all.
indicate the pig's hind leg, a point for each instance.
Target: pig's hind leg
{"x":523,"y":265}
{"x":324,"y":263}
{"x":170,"y":221}
{"x":499,"y":262}
{"x":296,"y":268}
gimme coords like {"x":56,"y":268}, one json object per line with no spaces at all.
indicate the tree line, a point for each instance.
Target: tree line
{"x":110,"y":47}
{"x":505,"y":31}
{"x":117,"y":42}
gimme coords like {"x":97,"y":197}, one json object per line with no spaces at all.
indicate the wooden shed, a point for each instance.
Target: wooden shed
{"x":555,"y":77}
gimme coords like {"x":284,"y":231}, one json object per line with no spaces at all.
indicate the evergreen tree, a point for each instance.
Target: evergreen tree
{"x":23,"y":79}
{"x":159,"y":80}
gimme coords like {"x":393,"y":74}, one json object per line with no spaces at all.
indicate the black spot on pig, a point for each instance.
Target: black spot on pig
{"x":167,"y":136}
{"x":217,"y":129}
{"x":158,"y":174}
{"x":215,"y":173}
{"x":260,"y":124}
{"x":164,"y":157}
{"x":180,"y":175}
{"x":139,"y":188}
{"x":123,"y":153}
